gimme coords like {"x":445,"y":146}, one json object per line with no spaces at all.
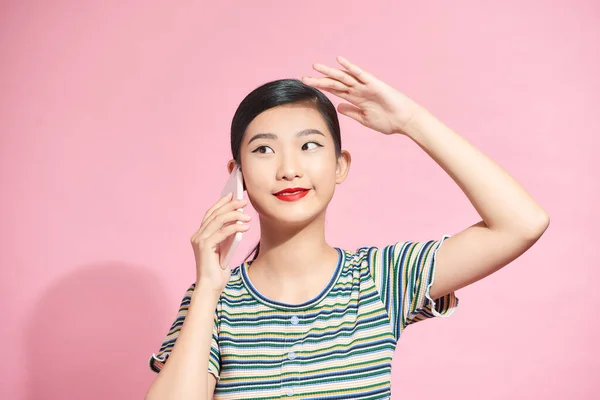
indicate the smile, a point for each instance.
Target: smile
{"x":292,"y":194}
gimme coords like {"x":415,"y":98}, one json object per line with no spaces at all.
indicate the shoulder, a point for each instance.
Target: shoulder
{"x":361,"y":257}
{"x":363,"y":253}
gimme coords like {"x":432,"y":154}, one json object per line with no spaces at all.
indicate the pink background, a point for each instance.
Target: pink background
{"x":114,"y":121}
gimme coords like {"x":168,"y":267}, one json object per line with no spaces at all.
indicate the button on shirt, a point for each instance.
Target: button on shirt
{"x":339,"y":344}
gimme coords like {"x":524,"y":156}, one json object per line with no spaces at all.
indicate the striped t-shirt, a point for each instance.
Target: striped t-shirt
{"x":338,"y":345}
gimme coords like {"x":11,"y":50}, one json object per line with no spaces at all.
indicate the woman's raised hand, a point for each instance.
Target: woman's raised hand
{"x":371,"y":101}
{"x":219,"y":222}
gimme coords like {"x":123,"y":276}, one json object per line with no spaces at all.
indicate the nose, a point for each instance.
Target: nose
{"x":289,"y":168}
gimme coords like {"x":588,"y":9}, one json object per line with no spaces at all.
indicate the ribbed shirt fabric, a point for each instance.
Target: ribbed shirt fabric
{"x":338,"y":345}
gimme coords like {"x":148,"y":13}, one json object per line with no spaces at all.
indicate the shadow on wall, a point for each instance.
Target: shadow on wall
{"x":92,"y":332}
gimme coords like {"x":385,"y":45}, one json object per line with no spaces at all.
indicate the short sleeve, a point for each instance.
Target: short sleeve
{"x":403,"y":274}
{"x":158,"y":360}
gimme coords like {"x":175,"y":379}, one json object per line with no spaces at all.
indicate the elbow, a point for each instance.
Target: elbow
{"x":537,"y":226}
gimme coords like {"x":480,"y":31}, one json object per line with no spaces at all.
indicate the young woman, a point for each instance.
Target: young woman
{"x":303,"y":319}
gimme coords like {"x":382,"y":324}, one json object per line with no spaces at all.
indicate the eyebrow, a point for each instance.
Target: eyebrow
{"x":273,"y":136}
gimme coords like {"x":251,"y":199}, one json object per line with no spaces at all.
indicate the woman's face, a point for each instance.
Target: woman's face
{"x":290,"y":147}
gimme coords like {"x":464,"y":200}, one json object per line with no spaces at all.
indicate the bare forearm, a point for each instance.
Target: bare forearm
{"x":185,"y":374}
{"x":500,"y":201}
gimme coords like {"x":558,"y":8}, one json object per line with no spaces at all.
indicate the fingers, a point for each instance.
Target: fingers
{"x":352,"y":76}
{"x":227,"y":207}
{"x":343,"y":95}
{"x":223,"y":219}
{"x":223,"y":205}
{"x":358,"y":73}
{"x":326,"y":84}
{"x":218,"y":204}
{"x":351,"y":111}
{"x":342,"y":76}
{"x":225,"y":232}
{"x":340,"y":82}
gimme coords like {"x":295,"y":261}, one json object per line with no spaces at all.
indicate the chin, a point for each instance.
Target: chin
{"x":292,"y":214}
{"x":297,"y":219}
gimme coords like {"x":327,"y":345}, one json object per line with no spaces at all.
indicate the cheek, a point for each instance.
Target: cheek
{"x":254,"y":178}
{"x":322,"y":172}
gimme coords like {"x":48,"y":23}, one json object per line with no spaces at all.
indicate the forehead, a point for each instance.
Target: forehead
{"x":288,"y":119}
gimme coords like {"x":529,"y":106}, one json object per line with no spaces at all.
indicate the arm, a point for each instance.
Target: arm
{"x":185,"y":375}
{"x":511,"y":220}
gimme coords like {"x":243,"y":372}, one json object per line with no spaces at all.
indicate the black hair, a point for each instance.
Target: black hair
{"x":277,"y":93}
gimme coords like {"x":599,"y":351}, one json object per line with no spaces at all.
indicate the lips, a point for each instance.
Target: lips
{"x":291,"y":194}
{"x":291,"y":191}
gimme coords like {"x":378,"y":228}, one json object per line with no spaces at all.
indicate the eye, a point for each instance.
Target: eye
{"x":307,"y":145}
{"x":262,"y":149}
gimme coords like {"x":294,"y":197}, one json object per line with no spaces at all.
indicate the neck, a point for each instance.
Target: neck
{"x":290,"y":252}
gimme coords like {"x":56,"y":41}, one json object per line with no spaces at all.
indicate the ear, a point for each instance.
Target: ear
{"x":230,"y":165}
{"x":343,"y":166}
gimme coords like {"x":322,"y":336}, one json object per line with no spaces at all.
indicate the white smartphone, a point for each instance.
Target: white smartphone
{"x":228,"y":247}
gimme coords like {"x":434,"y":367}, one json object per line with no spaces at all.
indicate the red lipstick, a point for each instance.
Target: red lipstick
{"x":292,"y":194}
